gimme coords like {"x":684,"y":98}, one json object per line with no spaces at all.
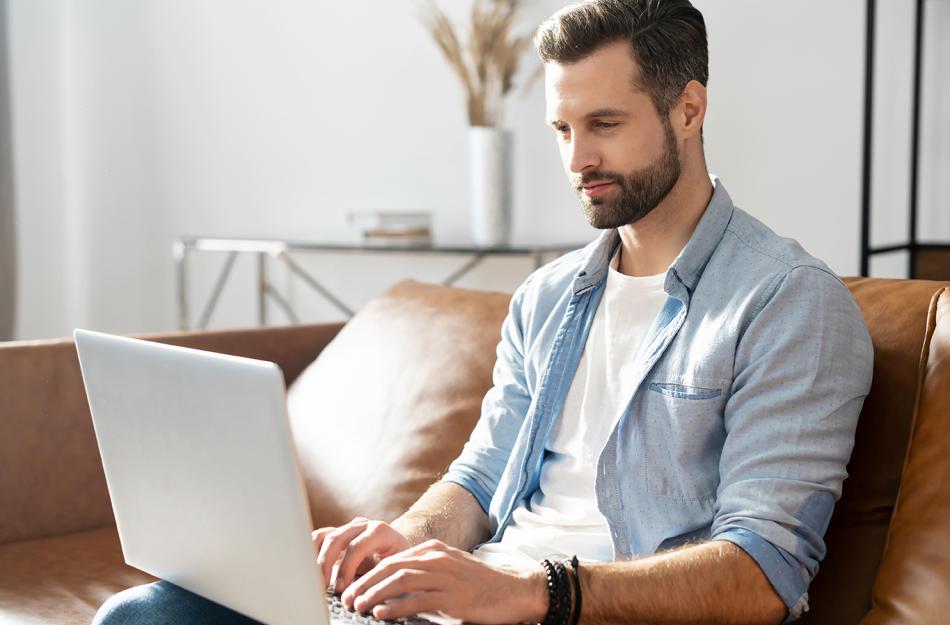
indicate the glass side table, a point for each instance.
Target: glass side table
{"x":281,"y":250}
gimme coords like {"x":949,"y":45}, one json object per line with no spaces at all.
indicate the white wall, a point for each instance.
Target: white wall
{"x":135,"y":122}
{"x":7,"y":238}
{"x":36,"y":51}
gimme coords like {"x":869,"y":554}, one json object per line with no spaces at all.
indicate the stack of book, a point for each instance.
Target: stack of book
{"x":393,"y":227}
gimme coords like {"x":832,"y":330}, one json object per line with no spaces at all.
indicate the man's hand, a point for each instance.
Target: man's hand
{"x":354,"y":548}
{"x":433,"y":577}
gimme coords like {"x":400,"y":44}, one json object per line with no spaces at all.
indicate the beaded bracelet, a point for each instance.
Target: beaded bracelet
{"x":559,"y":593}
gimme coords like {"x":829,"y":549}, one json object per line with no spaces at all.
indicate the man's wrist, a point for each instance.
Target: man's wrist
{"x":415,"y":528}
{"x":535,"y":596}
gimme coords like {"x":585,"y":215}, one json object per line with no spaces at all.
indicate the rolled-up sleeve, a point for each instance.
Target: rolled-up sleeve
{"x":803,"y":367}
{"x":479,"y":467}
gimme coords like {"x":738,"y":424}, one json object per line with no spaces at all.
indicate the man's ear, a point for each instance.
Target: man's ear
{"x":690,"y":111}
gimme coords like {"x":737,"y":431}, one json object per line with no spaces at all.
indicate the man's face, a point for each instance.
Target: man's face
{"x":619,"y":154}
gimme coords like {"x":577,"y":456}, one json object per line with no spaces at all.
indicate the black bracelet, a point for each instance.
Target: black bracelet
{"x":550,"y":573}
{"x":576,"y":583}
{"x":559,"y":593}
{"x":564,"y":590}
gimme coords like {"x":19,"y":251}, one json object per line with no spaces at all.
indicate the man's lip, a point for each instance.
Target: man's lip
{"x":594,"y":185}
{"x":596,"y":190}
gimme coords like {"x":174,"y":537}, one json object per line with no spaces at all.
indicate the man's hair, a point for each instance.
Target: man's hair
{"x":668,"y":38}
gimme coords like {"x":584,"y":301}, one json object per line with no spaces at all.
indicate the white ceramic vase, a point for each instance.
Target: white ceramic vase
{"x":489,"y":164}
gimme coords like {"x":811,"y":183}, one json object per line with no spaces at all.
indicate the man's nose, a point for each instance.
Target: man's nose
{"x":582,"y":156}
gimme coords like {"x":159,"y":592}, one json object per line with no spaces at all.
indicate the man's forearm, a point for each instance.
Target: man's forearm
{"x":445,"y":512}
{"x":714,"y":582}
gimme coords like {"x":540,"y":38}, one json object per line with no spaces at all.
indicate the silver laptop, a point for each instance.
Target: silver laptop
{"x":203,"y":475}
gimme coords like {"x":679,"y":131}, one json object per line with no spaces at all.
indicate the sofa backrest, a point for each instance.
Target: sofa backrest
{"x":913,"y":581}
{"x":51,"y":479}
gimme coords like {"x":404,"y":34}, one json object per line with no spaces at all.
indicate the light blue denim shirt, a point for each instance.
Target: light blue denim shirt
{"x":748,"y":390}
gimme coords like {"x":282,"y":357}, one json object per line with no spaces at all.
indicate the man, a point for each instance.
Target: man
{"x":675,"y":404}
{"x":735,"y":365}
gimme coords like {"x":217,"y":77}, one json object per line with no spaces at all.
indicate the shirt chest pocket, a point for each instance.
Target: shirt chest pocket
{"x":682,"y":436}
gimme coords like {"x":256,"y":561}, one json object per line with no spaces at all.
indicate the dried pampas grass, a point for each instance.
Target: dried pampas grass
{"x":487,"y":64}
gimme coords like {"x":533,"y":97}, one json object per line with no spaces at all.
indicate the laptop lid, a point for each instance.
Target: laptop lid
{"x":203,"y":474}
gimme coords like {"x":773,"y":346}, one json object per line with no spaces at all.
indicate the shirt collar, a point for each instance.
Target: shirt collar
{"x":688,"y":266}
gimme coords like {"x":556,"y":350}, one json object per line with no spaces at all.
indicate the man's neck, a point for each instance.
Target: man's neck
{"x":649,"y":246}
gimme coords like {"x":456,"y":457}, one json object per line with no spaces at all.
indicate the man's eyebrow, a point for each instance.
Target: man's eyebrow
{"x":604,"y":112}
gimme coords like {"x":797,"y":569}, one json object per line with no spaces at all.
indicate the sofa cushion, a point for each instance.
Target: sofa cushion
{"x":913,"y":582}
{"x":895,"y":312}
{"x":62,"y":580}
{"x":390,"y":402}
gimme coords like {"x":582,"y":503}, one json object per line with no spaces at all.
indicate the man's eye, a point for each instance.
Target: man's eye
{"x":606,"y":125}
{"x":563,"y":130}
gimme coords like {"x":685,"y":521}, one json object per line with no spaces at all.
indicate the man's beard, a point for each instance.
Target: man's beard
{"x":640,"y":191}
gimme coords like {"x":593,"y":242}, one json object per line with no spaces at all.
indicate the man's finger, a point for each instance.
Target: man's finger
{"x":333,"y":545}
{"x":318,"y":536}
{"x":401,"y":582}
{"x":358,"y":552}
{"x":426,"y":601}
{"x":427,"y":546}
{"x":388,"y":567}
{"x":385,"y":568}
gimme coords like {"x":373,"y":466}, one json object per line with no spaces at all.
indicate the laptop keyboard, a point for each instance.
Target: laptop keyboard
{"x":339,"y":613}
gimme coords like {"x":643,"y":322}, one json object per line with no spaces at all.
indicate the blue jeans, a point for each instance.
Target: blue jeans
{"x":164,"y":603}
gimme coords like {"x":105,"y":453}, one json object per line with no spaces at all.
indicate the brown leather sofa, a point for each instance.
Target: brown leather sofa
{"x":406,"y":377}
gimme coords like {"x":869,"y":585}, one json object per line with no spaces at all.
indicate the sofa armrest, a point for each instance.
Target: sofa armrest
{"x":51,"y":479}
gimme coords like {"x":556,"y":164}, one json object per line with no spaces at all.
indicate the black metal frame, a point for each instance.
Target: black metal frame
{"x":913,"y":246}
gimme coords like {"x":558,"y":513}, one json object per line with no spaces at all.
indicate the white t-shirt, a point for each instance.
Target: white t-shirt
{"x":562,"y":519}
